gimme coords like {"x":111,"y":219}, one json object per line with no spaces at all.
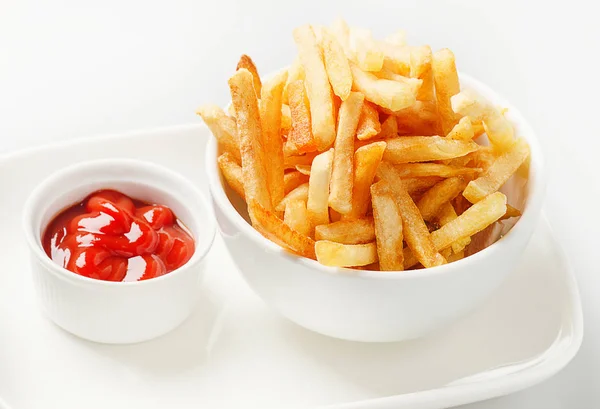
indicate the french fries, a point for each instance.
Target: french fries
{"x":499,"y":131}
{"x":340,"y":196}
{"x":298,"y":193}
{"x":300,"y":139}
{"x":249,"y":130}
{"x":334,"y":254}
{"x":336,"y":65}
{"x":368,"y":123}
{"x":420,"y":67}
{"x":497,"y":174}
{"x":317,"y":87}
{"x":247,"y":63}
{"x":270,"y":120}
{"x":366,"y":153}
{"x":415,"y":231}
{"x":476,"y":218}
{"x":358,"y":231}
{"x":366,"y":53}
{"x":446,"y":214}
{"x":426,"y":148}
{"x":388,"y":227}
{"x":388,"y":94}
{"x":296,"y":217}
{"x":295,"y":73}
{"x":444,"y":191}
{"x":445,"y":77}
{"x":463,"y":130}
{"x":223,"y":128}
{"x":232,"y":173}
{"x":318,"y":189}
{"x":277,"y":231}
{"x":366,"y":160}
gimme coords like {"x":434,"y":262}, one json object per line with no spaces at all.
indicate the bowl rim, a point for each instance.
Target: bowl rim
{"x":37,"y":195}
{"x":532,"y":207}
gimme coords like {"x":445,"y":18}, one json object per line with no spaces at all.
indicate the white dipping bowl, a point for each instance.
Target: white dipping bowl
{"x":117,"y":312}
{"x":374,"y":306}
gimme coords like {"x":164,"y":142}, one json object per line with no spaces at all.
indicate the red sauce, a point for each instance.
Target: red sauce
{"x":109,"y":236}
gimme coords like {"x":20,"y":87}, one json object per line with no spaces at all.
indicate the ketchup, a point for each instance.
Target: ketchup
{"x":110,"y":236}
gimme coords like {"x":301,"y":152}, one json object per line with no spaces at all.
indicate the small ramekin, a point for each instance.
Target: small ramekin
{"x":117,"y":312}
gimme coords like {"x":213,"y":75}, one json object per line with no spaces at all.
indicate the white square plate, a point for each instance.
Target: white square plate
{"x":234,"y":352}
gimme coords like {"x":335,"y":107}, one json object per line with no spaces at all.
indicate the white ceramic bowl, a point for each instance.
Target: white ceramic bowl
{"x":117,"y":312}
{"x":379,"y":306}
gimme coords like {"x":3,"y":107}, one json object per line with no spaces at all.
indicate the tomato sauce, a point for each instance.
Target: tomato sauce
{"x":110,"y":236}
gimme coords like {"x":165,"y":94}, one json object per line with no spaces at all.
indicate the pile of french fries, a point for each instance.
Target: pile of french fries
{"x":365,"y":153}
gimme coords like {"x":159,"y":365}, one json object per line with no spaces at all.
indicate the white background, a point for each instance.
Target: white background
{"x":72,"y":69}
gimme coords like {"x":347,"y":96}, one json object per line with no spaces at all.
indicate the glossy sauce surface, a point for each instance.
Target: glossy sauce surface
{"x":109,"y":236}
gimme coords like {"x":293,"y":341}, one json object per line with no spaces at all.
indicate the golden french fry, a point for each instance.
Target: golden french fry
{"x":463,"y":130}
{"x":304,"y":169}
{"x":292,"y":180}
{"x":445,"y":215}
{"x":367,"y":54}
{"x":395,"y":58}
{"x":368,"y":124}
{"x":318,"y":188}
{"x":249,"y":130}
{"x":416,"y":233}
{"x":223,"y":128}
{"x":286,"y":119}
{"x":426,"y":148}
{"x":388,"y":94}
{"x":317,"y":87}
{"x":473,"y":220}
{"x":388,"y":228}
{"x":334,"y":254}
{"x":340,"y":196}
{"x":336,"y":65}
{"x":295,"y":73}
{"x":498,"y":129}
{"x":412,"y":170}
{"x":247,"y":63}
{"x":359,"y":231}
{"x":443,"y":192}
{"x":291,"y":161}
{"x":498,"y":173}
{"x":511,"y":212}
{"x":232,"y":172}
{"x":446,"y":86}
{"x":296,"y":217}
{"x":277,"y":231}
{"x":420,"y":67}
{"x":389,"y":128}
{"x":298,"y":193}
{"x":270,"y":120}
{"x":300,"y":139}
{"x":366,"y":160}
